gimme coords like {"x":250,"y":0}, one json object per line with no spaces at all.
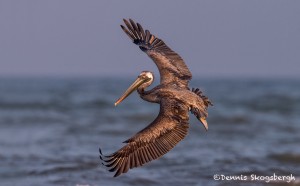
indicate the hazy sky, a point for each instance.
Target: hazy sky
{"x":215,"y":38}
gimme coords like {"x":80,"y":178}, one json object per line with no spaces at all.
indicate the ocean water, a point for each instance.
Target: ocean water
{"x":51,"y":129}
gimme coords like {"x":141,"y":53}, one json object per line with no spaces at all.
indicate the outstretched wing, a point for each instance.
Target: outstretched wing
{"x":170,"y":127}
{"x":170,"y":65}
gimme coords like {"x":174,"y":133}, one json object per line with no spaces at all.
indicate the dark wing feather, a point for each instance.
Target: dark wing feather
{"x":153,"y":141}
{"x":170,"y":65}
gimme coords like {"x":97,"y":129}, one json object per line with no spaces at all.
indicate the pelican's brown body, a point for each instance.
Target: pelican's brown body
{"x":175,"y":99}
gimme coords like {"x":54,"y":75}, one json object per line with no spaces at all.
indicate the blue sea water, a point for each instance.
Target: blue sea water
{"x":51,"y":129}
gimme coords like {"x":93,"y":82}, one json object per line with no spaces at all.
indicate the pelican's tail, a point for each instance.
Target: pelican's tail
{"x":205,"y":99}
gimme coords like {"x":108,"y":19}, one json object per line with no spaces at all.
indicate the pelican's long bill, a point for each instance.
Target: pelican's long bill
{"x":138,"y":82}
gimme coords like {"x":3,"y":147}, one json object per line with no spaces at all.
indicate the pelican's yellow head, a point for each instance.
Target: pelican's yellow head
{"x":144,"y":80}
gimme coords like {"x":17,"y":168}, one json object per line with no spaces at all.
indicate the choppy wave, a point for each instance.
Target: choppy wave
{"x":51,"y":129}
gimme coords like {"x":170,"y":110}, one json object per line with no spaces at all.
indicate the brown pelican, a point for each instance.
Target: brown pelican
{"x":175,"y":99}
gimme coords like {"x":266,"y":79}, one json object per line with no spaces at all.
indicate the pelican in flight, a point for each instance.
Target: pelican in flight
{"x":173,"y":94}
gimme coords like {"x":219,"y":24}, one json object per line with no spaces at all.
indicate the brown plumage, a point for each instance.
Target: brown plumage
{"x":175,"y":99}
{"x":170,"y":65}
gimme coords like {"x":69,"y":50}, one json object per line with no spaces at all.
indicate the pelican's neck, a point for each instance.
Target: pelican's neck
{"x":148,"y":95}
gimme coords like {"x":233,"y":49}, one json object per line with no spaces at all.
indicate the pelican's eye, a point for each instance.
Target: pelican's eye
{"x":144,"y":76}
